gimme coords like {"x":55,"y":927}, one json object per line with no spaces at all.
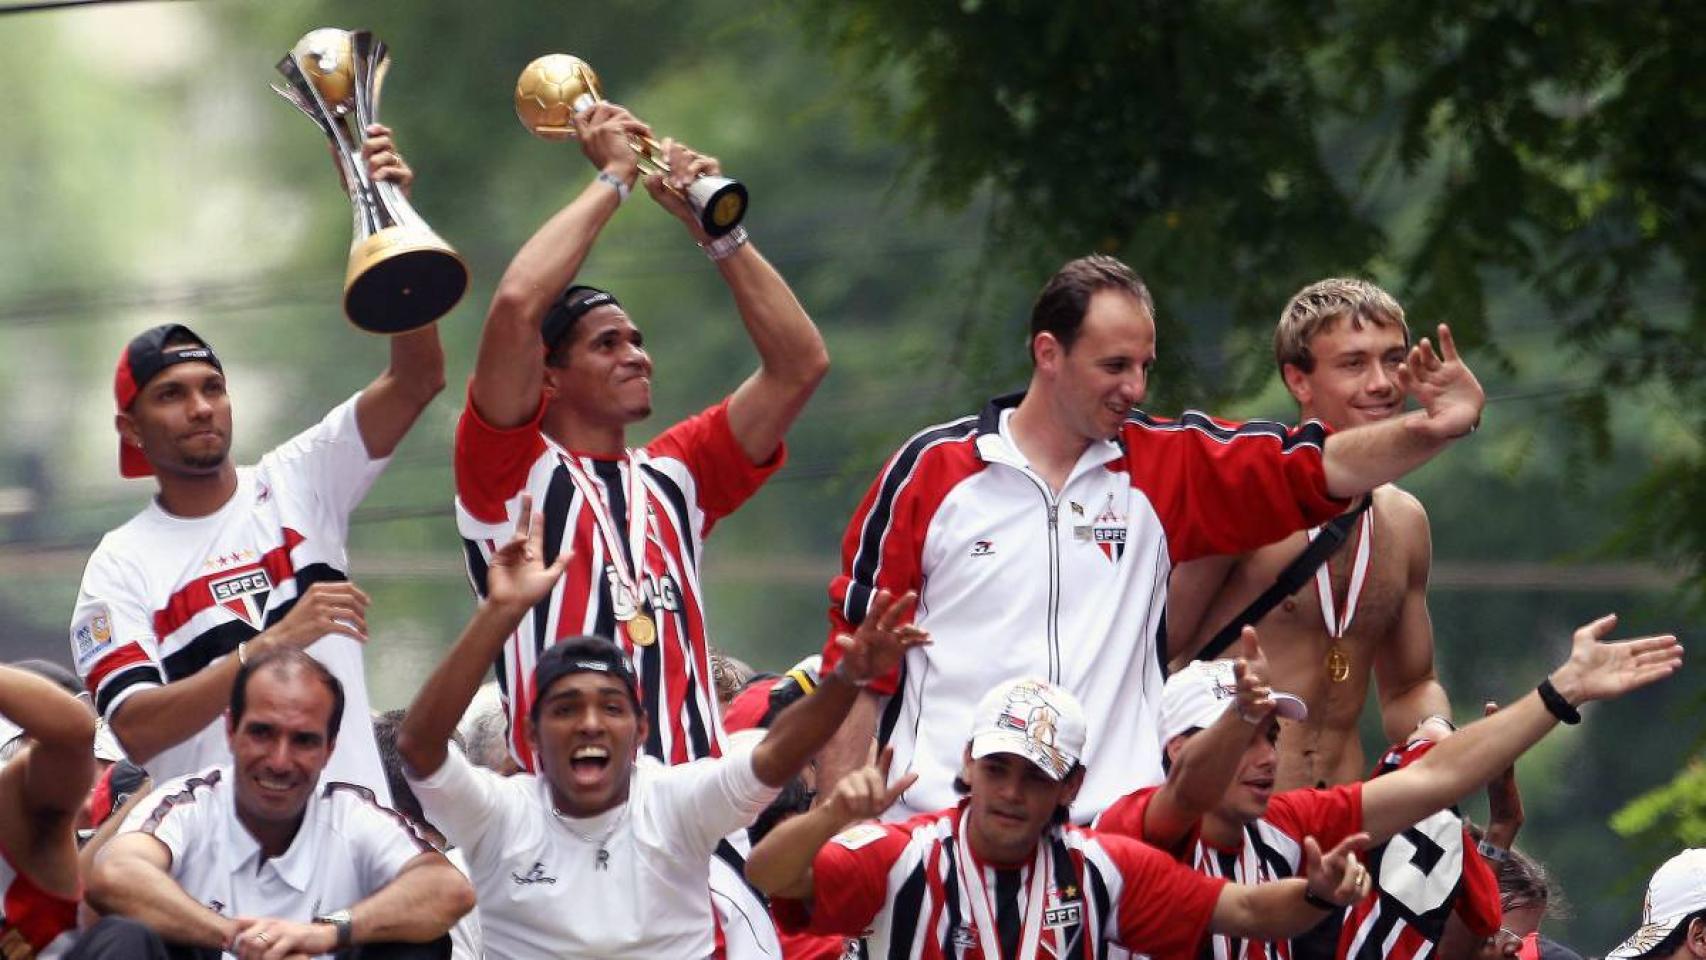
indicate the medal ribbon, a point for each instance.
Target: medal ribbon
{"x":983,"y":909}
{"x":606,"y":524}
{"x":1336,"y":626}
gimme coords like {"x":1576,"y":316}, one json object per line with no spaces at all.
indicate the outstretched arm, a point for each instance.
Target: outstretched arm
{"x":392,"y":403}
{"x":509,"y":369}
{"x":802,"y":729}
{"x":1477,"y":753}
{"x":1283,"y":909}
{"x":1362,"y":458}
{"x":60,"y":763}
{"x":792,"y":359}
{"x":516,"y":579}
{"x":781,"y":864}
{"x":1205,"y":767}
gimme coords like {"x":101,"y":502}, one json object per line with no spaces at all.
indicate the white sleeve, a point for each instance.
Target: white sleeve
{"x":330,"y":461}
{"x":380,"y":838}
{"x":708,"y":799}
{"x":174,"y":814}
{"x":463,"y":801}
{"x":112,"y":633}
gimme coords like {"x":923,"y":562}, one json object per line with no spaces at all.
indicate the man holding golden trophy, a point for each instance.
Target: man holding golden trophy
{"x":561,"y":375}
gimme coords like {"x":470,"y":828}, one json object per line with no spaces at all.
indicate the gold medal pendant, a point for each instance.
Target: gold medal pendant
{"x":1338,"y":665}
{"x":642,"y":632}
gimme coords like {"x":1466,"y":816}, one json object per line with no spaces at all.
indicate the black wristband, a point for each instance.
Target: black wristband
{"x":1556,"y":704}
{"x":1319,"y":903}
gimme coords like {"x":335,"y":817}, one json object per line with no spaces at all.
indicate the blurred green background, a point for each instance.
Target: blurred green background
{"x":917,"y":170}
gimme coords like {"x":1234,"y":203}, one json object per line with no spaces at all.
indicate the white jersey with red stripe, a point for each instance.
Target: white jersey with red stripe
{"x":1271,"y":848}
{"x":693,"y":474}
{"x":164,"y":596}
{"x":33,"y":922}
{"x":904,"y":887}
{"x":1014,"y":579}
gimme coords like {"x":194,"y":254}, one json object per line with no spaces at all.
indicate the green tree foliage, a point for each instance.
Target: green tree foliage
{"x":1237,"y":150}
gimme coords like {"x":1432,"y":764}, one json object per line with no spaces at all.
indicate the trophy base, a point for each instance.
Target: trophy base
{"x":401,"y":280}
{"x":720,"y":203}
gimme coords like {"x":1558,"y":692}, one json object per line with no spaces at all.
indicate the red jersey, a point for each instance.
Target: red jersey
{"x":33,"y":922}
{"x":692,"y":475}
{"x":908,"y":889}
{"x":1272,"y":847}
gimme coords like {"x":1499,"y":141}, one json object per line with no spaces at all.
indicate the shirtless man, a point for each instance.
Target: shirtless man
{"x":1338,"y":346}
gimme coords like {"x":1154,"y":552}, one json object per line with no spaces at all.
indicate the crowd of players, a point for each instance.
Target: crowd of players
{"x":1091,"y":686}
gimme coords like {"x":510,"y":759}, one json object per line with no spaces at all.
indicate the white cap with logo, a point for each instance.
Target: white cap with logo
{"x":1034,"y":719}
{"x":1677,"y":890}
{"x":1197,"y":695}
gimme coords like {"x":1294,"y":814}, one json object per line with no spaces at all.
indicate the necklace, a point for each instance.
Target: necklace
{"x":601,"y":860}
{"x":1338,"y":664}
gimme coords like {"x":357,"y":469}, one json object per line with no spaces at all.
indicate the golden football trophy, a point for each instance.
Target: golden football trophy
{"x":558,"y":86}
{"x":401,"y":275}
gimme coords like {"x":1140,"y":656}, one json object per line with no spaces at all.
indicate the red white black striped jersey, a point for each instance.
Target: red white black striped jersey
{"x":1014,"y":579}
{"x":164,"y":596}
{"x":694,"y":474}
{"x":900,"y":885}
{"x":1421,"y":876}
{"x":1272,"y":847}
{"x":33,"y":922}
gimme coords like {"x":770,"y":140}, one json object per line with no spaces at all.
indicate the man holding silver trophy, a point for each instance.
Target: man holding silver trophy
{"x":226,"y":562}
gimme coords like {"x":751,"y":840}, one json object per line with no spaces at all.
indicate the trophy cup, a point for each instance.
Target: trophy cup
{"x":557,"y":86}
{"x":401,"y":275}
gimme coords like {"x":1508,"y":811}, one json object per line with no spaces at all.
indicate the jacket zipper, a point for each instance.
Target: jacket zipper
{"x":1053,"y":509}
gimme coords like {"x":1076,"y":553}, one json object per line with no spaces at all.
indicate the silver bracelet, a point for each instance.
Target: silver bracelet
{"x":621,"y":185}
{"x":724,"y":246}
{"x":1495,"y":854}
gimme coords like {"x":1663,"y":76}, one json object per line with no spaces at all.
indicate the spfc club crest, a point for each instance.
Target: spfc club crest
{"x":244,"y":592}
{"x":1108,"y":532}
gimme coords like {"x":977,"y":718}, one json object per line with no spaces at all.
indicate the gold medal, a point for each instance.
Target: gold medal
{"x":1338,"y":665}
{"x":641,"y":630}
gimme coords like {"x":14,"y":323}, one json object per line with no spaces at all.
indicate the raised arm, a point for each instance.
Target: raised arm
{"x":792,"y":359}
{"x":132,"y":879}
{"x":516,"y":578}
{"x":1477,"y":753}
{"x":1362,"y":458}
{"x":392,"y":403}
{"x":873,"y":650}
{"x":1203,"y":770}
{"x":1409,"y":689}
{"x":509,"y":369}
{"x":781,"y":864}
{"x":59,"y":765}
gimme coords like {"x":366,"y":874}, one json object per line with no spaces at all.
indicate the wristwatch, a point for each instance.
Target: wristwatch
{"x":341,"y":920}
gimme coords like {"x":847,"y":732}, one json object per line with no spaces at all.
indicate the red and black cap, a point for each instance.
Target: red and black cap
{"x":144,"y":357}
{"x":577,"y":301}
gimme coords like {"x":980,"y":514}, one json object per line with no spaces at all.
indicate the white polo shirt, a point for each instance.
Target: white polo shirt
{"x":540,"y":889}
{"x":348,"y":847}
